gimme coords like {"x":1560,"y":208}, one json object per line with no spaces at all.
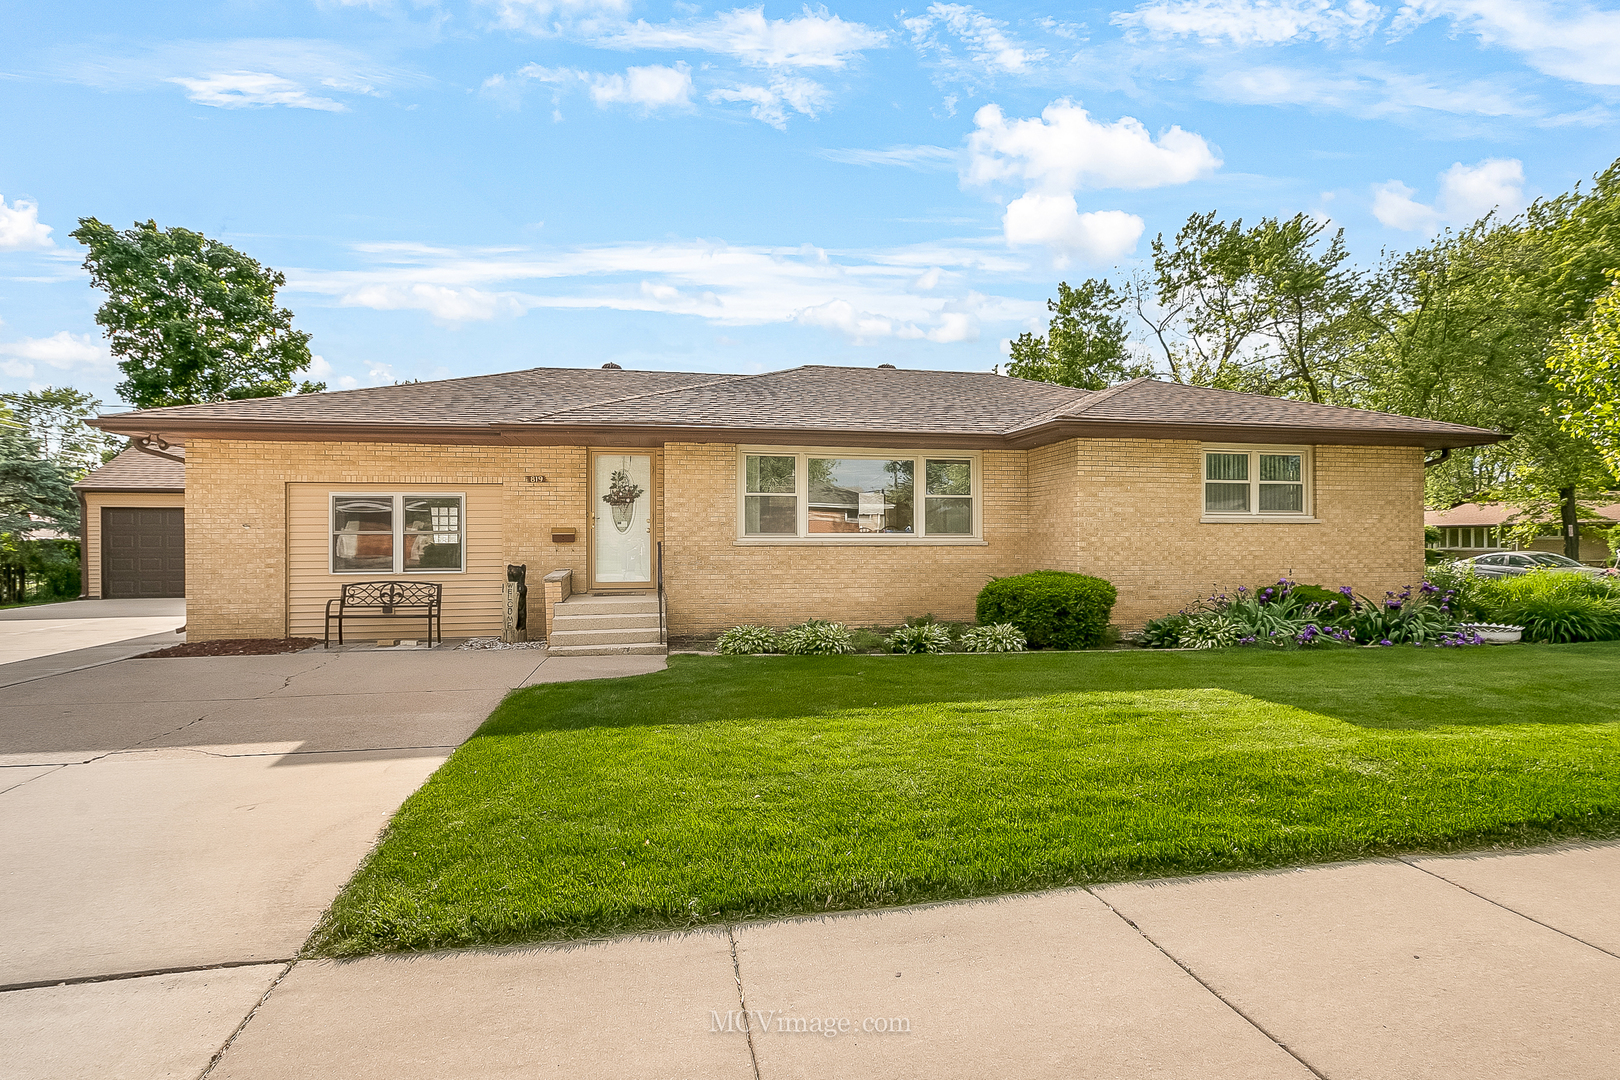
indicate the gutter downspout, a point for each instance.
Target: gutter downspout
{"x":1429,"y":463}
{"x":143,"y":443}
{"x":84,"y":551}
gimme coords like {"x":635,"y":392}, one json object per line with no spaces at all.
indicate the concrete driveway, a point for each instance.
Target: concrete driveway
{"x":170,"y":830}
{"x":52,"y":638}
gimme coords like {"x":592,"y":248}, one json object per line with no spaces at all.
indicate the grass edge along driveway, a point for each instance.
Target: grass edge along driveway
{"x":733,"y":788}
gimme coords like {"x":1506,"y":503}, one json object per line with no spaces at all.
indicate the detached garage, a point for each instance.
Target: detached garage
{"x":133,"y":536}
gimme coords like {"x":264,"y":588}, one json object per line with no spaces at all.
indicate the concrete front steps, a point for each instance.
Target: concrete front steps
{"x":614,"y":625}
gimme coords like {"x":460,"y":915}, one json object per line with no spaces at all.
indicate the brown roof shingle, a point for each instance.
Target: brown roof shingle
{"x":136,"y":470}
{"x":595,"y":406}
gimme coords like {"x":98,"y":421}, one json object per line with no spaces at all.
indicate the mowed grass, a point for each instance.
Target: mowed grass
{"x":732,"y":788}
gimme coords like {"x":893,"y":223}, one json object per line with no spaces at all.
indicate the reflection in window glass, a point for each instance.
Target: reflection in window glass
{"x":861,"y":495}
{"x":770,"y":502}
{"x":1226,"y":498}
{"x":948,"y":503}
{"x":432,"y":533}
{"x":363,"y":534}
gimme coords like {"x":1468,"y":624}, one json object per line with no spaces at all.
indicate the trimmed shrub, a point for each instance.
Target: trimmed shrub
{"x":999,"y":637}
{"x":747,"y":640}
{"x":1052,"y":608}
{"x":922,"y":638}
{"x":816,"y":637}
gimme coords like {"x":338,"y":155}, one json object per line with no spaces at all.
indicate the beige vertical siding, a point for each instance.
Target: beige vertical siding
{"x":93,"y":502}
{"x":472,"y":599}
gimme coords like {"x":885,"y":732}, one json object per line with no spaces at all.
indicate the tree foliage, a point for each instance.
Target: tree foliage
{"x":35,"y":491}
{"x":56,"y":417}
{"x":1086,"y":344}
{"x":190,"y":319}
{"x":1585,"y":368}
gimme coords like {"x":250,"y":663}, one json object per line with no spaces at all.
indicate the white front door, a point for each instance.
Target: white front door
{"x":621,"y":510}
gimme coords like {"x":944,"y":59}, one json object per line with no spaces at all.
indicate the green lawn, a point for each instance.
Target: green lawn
{"x":729,"y":788}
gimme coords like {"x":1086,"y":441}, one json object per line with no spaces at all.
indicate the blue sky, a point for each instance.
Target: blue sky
{"x":461,"y":187}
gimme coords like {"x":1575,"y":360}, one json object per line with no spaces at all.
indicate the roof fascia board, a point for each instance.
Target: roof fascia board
{"x":1058,"y":430}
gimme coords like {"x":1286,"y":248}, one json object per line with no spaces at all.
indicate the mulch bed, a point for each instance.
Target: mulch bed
{"x":234,"y":647}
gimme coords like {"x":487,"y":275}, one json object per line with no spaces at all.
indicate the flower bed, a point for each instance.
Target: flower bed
{"x":1289,"y":615}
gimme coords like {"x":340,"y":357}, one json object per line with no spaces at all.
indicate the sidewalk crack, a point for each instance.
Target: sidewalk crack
{"x":1216,"y":994}
{"x":742,"y":1001}
{"x":230,"y":1040}
{"x":1514,"y":911}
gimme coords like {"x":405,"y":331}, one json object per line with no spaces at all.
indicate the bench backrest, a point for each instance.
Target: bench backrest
{"x":392,"y":594}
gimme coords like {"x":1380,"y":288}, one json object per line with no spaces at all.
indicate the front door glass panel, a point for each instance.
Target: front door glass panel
{"x":621,"y":501}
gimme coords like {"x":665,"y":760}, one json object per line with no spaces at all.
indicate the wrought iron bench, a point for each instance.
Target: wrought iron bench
{"x":388,"y":600}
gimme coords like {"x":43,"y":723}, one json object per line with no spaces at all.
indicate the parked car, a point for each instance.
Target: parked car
{"x":1514,"y":563}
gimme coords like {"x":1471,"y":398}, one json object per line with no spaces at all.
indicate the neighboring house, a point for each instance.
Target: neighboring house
{"x":857,"y":494}
{"x":132,"y":528}
{"x":1476,"y":528}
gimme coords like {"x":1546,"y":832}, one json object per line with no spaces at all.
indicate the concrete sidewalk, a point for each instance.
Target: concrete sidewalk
{"x":1500,"y":966}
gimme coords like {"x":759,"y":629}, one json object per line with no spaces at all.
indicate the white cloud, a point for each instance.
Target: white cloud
{"x":1252,"y":22}
{"x":921,"y":158}
{"x":20,"y":228}
{"x":1055,"y":222}
{"x":771,"y":104}
{"x":1467,"y":193}
{"x":245,"y":72}
{"x":1370,"y":91}
{"x":550,"y":17}
{"x":985,"y":40}
{"x":919,"y":292}
{"x":651,"y":87}
{"x":252,"y":89}
{"x":814,"y":39}
{"x":1573,"y":41}
{"x":62,"y":350}
{"x":1064,"y":149}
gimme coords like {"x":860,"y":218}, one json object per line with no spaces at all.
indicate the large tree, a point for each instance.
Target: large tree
{"x":1585,"y":368}
{"x":190,"y":319}
{"x":56,"y":417}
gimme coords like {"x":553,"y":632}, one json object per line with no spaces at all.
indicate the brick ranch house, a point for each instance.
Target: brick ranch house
{"x":856,"y":494}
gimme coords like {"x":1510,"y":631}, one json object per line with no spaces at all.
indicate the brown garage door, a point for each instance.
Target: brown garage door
{"x":143,"y":551}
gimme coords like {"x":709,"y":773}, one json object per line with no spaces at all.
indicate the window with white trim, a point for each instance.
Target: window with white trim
{"x":398,"y":534}
{"x":1253,"y":483}
{"x":858,"y":494}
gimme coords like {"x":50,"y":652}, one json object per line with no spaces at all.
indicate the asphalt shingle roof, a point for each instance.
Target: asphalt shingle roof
{"x":136,"y":470}
{"x":971,"y":407}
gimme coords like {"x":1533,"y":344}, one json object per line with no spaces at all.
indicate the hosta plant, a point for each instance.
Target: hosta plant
{"x":816,"y":637}
{"x":747,"y":640}
{"x":924,"y":638}
{"x":997,"y":637}
{"x":1211,"y":630}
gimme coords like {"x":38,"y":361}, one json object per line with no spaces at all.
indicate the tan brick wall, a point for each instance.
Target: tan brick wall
{"x":1127,"y":510}
{"x":93,"y":503}
{"x":714,"y":582}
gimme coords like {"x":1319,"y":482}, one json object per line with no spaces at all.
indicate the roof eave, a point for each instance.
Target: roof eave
{"x":1057,"y":430}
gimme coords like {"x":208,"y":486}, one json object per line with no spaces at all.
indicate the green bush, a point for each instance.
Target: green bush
{"x":747,"y":640}
{"x":929,"y":637}
{"x":816,"y":637}
{"x":998,"y":637}
{"x":1165,"y":631}
{"x":1211,"y":630}
{"x":1552,"y":605}
{"x":1052,"y":608}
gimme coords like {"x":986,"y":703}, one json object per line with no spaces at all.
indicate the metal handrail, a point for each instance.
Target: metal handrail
{"x":663,"y":631}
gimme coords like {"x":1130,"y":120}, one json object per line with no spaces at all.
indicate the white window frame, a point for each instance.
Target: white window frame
{"x":1307,"y":475}
{"x":801,"y":492}
{"x":399,"y":498}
